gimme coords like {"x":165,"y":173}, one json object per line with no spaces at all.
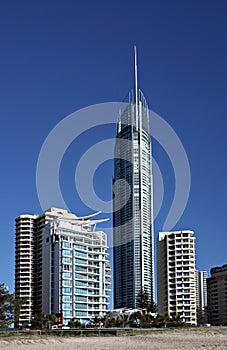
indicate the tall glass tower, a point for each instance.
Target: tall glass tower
{"x":133,"y":202}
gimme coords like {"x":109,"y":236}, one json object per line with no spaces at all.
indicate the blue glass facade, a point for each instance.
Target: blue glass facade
{"x":133,"y":205}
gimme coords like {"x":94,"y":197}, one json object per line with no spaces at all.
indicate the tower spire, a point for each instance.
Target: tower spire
{"x":136,"y":84}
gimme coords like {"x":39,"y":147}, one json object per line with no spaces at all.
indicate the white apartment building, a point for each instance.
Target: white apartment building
{"x":76,"y":270}
{"x":201,"y":289}
{"x":30,"y":258}
{"x":24,"y":264}
{"x":176,"y":281}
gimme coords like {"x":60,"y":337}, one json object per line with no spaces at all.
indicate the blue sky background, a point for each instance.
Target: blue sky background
{"x":60,"y":56}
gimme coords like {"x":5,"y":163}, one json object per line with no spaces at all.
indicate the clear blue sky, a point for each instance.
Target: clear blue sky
{"x":59,"y":56}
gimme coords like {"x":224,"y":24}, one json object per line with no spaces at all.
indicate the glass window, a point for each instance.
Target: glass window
{"x":80,"y":268}
{"x":80,"y":276}
{"x":66,"y":244}
{"x":81,"y":291}
{"x":66,"y":260}
{"x":67,"y":313}
{"x":67,"y":290}
{"x":80,"y":283}
{"x":67,"y":275}
{"x":81,"y":313}
{"x":79,"y":298}
{"x":67,"y":282}
{"x":80,"y":261}
{"x":80,"y":306}
{"x":77,"y":253}
{"x":66,"y":298}
{"x":79,"y":246}
{"x":66,"y":252}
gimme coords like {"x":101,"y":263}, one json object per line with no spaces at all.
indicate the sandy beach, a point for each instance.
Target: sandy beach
{"x":171,"y":340}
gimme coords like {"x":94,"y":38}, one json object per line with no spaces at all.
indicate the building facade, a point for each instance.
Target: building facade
{"x":133,"y":202}
{"x":24,"y":265}
{"x":76,"y":270}
{"x":201,"y":289}
{"x":176,"y":280}
{"x":31,"y":261}
{"x":217,"y":296}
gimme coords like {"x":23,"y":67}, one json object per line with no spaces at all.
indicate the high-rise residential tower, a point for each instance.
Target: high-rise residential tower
{"x":24,"y":266}
{"x":133,"y":201}
{"x":61,"y":266}
{"x":28,"y":260}
{"x":201,"y":289}
{"x":176,"y":282}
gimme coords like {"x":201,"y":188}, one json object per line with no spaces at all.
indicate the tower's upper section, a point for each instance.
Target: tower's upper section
{"x":134,"y":111}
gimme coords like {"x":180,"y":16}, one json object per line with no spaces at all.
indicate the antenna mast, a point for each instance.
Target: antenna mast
{"x":136,"y":85}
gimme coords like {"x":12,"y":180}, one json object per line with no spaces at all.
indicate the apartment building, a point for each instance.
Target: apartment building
{"x":24,"y":264}
{"x":31,"y":261}
{"x":201,"y":289}
{"x":217,"y":296}
{"x":176,"y":275}
{"x":76,"y":270}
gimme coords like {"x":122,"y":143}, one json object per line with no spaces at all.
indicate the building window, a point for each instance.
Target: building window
{"x":67,"y":275}
{"x":80,"y":306}
{"x":81,"y":313}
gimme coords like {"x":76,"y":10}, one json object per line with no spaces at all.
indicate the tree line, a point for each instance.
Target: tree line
{"x":146,"y":316}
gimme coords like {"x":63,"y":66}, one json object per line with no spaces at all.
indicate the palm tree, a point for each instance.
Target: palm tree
{"x":96,"y":321}
{"x":161,"y":320}
{"x":74,"y":323}
{"x":200,"y":313}
{"x":49,"y":320}
{"x":43,"y":321}
{"x":143,"y":301}
{"x":37,"y":321}
{"x":107,"y":321}
{"x":9,"y":307}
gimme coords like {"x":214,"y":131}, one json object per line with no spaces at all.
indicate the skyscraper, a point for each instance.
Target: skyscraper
{"x":176,"y":275}
{"x":133,"y":201}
